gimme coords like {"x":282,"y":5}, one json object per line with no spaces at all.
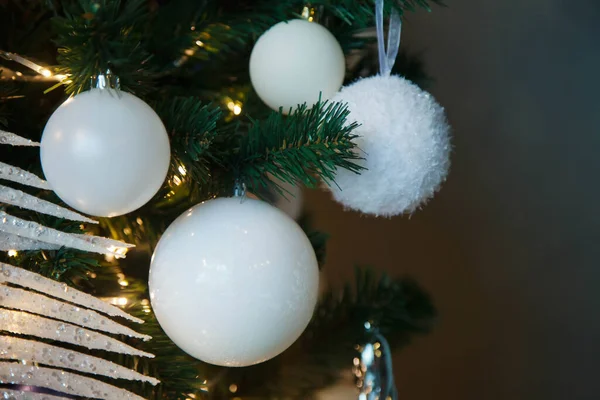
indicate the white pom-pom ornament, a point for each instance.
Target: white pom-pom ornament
{"x":404,"y":135}
{"x":294,"y":62}
{"x":105,"y":152}
{"x":234,"y":281}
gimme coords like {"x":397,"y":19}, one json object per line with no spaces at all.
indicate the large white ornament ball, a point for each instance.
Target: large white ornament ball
{"x":405,"y":138}
{"x":234,"y":281}
{"x":293,"y":62}
{"x":105,"y":153}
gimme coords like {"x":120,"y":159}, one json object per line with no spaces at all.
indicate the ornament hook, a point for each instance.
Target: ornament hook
{"x":375,"y":382}
{"x":387,"y":58}
{"x":106,"y":80}
{"x":239,"y":189}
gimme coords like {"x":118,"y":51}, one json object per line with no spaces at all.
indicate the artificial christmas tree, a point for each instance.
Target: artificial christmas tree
{"x":188,"y":61}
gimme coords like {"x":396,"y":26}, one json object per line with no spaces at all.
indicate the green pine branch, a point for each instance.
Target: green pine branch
{"x":95,"y":35}
{"x":305,"y":147}
{"x":192,"y":127}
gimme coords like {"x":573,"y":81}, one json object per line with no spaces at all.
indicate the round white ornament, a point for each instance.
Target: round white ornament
{"x":105,"y":152}
{"x":233,"y":281}
{"x":295,"y":61}
{"x":405,"y":138}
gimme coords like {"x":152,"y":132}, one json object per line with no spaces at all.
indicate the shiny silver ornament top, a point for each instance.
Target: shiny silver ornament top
{"x":372,"y":369}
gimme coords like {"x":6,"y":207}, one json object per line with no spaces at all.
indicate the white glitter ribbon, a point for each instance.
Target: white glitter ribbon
{"x":387,"y":58}
{"x":32,"y":230}
{"x":61,"y":381}
{"x":9,"y":242}
{"x":31,"y":280}
{"x":22,"y":323}
{"x":69,"y":323}
{"x":15,"y":140}
{"x":18,"y":175}
{"x":23,"y":300}
{"x":19,"y":395}
{"x":13,"y":348}
{"x":21,"y":199}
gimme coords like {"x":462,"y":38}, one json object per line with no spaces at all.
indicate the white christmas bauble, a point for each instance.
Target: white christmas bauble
{"x":104,"y":152}
{"x":233,"y":281}
{"x":293,"y":62}
{"x":405,"y":139}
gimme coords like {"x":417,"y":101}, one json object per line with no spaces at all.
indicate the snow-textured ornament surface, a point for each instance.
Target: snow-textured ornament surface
{"x":403,"y":133}
{"x":234,"y":281}
{"x":405,"y":138}
{"x":105,"y":152}
{"x":295,"y":62}
{"x":38,"y":364}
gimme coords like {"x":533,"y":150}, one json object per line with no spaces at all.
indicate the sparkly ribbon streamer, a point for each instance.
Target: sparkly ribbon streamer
{"x":19,"y":395}
{"x":23,"y":200}
{"x":16,"y":140}
{"x":22,"y":323}
{"x":62,"y":382}
{"x":44,"y":354}
{"x":30,"y":280}
{"x":35,"y":303}
{"x":16,"y":174}
{"x":8,"y":242}
{"x":387,"y":58}
{"x":32,"y":230}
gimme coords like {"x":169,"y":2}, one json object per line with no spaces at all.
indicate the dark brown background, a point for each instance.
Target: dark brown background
{"x":508,"y":247}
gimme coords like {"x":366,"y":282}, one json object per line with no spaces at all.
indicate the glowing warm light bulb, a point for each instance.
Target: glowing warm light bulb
{"x":235,"y":107}
{"x":12,"y":253}
{"x":120,"y":252}
{"x":46,"y":73}
{"x":199,"y":43}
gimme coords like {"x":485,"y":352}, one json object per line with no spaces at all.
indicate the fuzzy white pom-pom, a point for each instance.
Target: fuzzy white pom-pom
{"x":405,"y":138}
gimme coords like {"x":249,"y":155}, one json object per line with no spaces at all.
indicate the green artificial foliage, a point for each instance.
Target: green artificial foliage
{"x":306,"y":146}
{"x":189,"y":59}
